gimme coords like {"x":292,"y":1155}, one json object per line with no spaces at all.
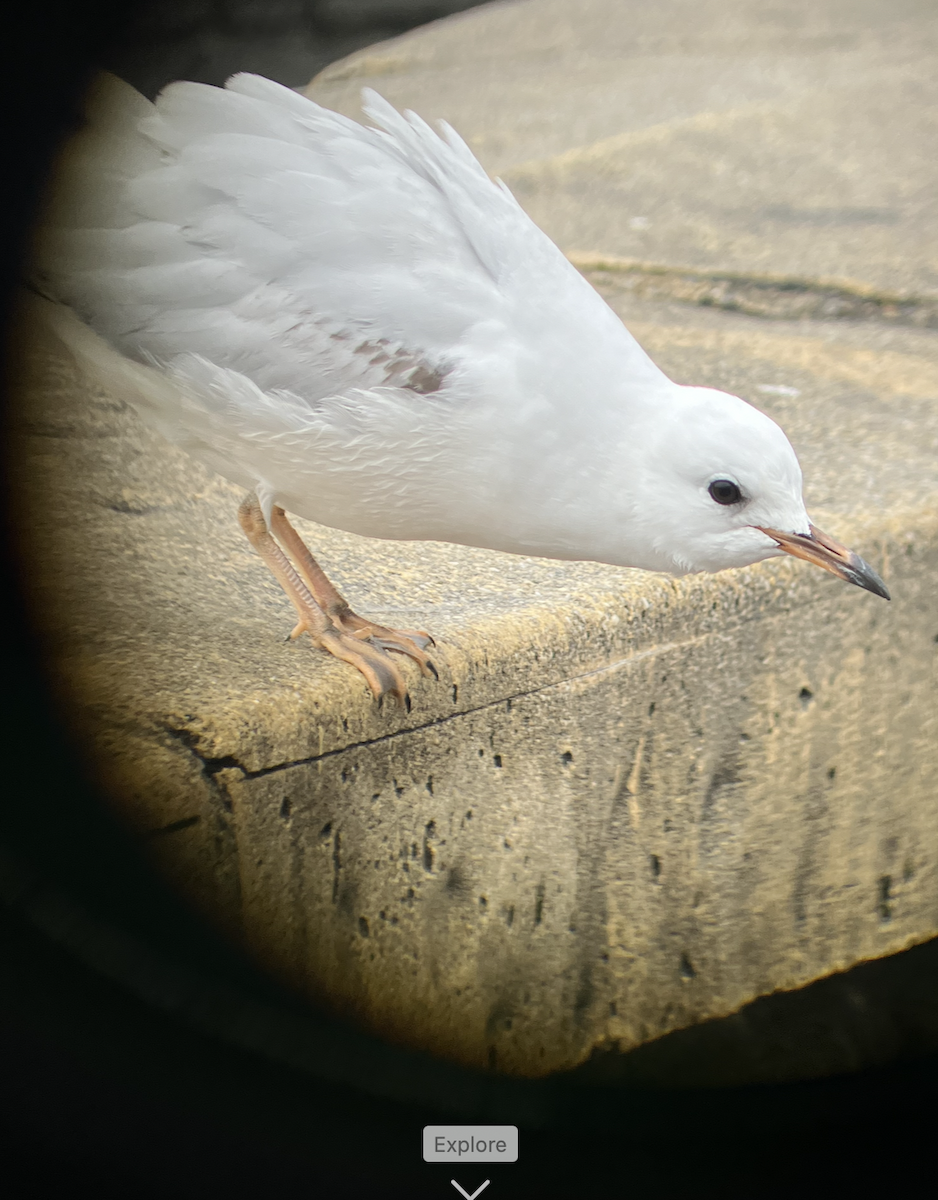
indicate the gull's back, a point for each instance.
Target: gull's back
{"x":252,"y":227}
{"x":333,"y":301}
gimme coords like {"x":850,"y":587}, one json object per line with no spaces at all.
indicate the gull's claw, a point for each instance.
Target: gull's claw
{"x":380,"y":673}
{"x":324,"y":613}
{"x":417,"y":636}
{"x":401,"y":641}
{"x":405,"y":645}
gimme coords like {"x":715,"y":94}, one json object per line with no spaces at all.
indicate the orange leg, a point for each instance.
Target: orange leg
{"x":380,"y":672}
{"x":337,"y":608}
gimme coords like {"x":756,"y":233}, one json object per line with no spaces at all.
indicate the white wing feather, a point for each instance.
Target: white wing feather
{"x":345,"y":312}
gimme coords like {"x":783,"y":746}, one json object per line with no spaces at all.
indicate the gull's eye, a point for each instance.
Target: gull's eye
{"x":725,"y":491}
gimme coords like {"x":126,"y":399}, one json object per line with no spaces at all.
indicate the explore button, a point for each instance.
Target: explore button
{"x":470,"y":1143}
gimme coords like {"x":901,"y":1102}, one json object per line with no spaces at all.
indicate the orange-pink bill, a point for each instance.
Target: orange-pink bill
{"x":822,"y":550}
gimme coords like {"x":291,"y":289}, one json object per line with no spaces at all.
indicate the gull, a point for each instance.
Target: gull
{"x":359,"y":326}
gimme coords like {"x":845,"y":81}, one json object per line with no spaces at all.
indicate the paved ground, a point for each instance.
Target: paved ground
{"x":286,"y":40}
{"x":796,"y":139}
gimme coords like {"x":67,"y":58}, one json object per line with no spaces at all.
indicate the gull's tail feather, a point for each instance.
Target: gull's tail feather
{"x":146,"y":387}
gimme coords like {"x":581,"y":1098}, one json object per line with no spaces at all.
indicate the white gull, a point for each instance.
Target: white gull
{"x":359,"y":326}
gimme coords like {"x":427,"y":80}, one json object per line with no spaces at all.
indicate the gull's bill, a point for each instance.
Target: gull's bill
{"x":824,"y":551}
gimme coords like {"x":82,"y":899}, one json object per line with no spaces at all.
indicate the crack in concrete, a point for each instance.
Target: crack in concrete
{"x":773,"y":297}
{"x":173,"y":827}
{"x":211,"y":766}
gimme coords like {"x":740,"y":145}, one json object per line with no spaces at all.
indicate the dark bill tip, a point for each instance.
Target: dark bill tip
{"x":827,"y":553}
{"x":860,"y":572}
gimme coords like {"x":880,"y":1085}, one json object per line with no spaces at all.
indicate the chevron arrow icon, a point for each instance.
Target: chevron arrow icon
{"x":477,"y":1192}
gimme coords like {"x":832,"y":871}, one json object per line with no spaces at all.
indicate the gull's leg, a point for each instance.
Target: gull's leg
{"x":380,"y":672}
{"x":336,"y":607}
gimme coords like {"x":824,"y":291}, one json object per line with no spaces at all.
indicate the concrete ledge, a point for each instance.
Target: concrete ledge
{"x":630,"y":804}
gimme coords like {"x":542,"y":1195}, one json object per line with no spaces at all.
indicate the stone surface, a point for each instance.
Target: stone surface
{"x":631,"y":803}
{"x":796,"y":139}
{"x":286,"y":40}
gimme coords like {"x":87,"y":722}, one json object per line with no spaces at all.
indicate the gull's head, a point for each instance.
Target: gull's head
{"x":721,"y":487}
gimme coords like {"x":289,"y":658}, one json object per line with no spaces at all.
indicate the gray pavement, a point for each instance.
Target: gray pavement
{"x":794,"y":139}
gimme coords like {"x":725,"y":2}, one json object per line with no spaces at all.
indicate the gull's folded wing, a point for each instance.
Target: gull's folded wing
{"x":276,"y":238}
